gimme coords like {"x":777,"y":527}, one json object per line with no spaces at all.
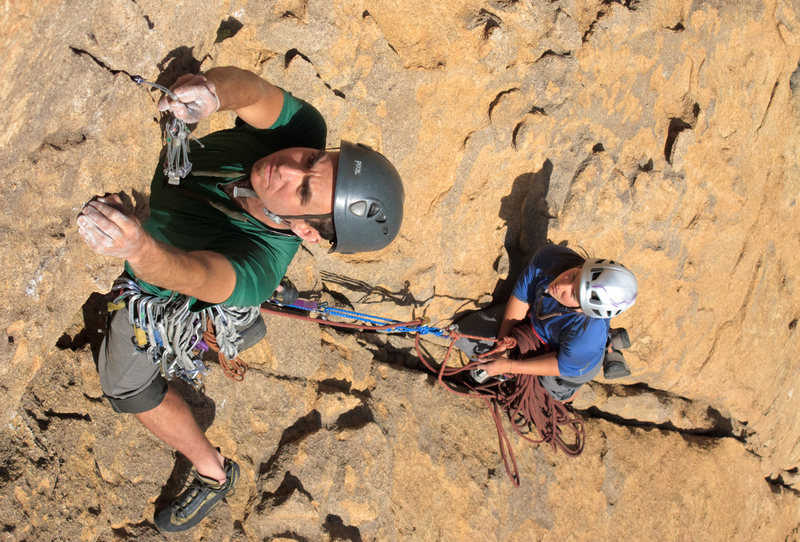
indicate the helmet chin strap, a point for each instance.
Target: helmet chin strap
{"x":275,"y":218}
{"x":546,"y":293}
{"x":283,"y":219}
{"x":241,"y":192}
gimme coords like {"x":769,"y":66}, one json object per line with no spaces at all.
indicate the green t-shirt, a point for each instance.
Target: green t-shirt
{"x":207,"y":219}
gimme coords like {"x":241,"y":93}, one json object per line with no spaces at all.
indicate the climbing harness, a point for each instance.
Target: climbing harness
{"x":522,"y":398}
{"x":177,"y":134}
{"x":175,"y":338}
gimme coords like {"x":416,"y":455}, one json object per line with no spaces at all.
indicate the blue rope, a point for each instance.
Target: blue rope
{"x":324,"y":309}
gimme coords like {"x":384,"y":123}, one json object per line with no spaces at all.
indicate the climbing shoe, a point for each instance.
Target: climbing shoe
{"x":251,"y":334}
{"x":199,"y":498}
{"x":286,"y":293}
{"x":615,"y":366}
{"x":618,"y":338}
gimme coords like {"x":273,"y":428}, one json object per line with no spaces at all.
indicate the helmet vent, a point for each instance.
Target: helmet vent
{"x":359,"y":208}
{"x":607,"y":288}
{"x":374,"y":209}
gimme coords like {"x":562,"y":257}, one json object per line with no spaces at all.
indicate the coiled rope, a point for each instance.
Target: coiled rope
{"x":522,"y":398}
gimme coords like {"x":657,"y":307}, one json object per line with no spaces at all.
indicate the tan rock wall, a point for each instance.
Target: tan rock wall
{"x":348,"y":447}
{"x":660,"y":133}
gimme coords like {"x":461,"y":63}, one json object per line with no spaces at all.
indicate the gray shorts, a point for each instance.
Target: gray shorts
{"x":486,"y":323}
{"x":131,"y":382}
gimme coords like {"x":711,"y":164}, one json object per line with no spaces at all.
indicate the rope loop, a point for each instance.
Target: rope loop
{"x":233,"y":368}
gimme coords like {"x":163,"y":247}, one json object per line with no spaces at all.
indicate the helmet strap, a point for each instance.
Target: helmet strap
{"x":243,"y":192}
{"x":283,"y":219}
{"x":275,"y":218}
{"x":566,"y":309}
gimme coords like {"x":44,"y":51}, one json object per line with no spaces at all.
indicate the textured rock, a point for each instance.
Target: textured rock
{"x":661,"y":133}
{"x":394,"y":457}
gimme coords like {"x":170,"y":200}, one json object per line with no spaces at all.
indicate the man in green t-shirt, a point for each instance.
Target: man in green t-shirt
{"x":224,"y":238}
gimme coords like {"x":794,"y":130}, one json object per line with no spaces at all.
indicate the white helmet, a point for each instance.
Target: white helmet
{"x":607,"y":288}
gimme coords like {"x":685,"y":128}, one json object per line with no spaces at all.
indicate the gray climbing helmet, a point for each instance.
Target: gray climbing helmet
{"x":607,"y":288}
{"x":367,"y":200}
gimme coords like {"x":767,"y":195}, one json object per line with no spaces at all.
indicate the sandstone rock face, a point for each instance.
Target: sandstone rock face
{"x":663,"y":134}
{"x":344,"y":446}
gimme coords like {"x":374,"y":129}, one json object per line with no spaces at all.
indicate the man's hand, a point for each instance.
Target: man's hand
{"x":197,"y":99}
{"x":110,"y":231}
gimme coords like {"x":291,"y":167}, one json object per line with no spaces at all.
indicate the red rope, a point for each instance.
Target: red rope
{"x":523,"y":399}
{"x":233,"y":368}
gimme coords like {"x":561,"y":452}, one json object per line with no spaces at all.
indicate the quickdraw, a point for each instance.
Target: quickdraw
{"x":372,"y":323}
{"x":173,"y":336}
{"x":177,"y":134}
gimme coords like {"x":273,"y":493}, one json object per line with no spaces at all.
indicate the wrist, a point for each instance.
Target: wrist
{"x":144,"y":251}
{"x":212,"y":88}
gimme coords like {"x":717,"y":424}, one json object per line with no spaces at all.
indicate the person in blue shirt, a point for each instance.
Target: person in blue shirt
{"x":568,"y":301}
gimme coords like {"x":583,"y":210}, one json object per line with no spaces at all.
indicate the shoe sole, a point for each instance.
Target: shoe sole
{"x":252,"y":334}
{"x":173,"y":524}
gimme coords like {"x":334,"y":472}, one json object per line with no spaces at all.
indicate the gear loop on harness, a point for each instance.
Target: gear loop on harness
{"x":174,"y":334}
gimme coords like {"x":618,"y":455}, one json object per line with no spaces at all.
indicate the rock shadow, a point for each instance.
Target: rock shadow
{"x":372,"y":294}
{"x":95,"y":319}
{"x":177,"y":62}
{"x":228,"y":29}
{"x":527,"y":216}
{"x":337,"y":529}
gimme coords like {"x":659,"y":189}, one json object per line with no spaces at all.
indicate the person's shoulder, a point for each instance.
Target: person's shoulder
{"x":299,"y":124}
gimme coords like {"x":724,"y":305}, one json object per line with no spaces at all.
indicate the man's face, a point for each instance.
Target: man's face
{"x":296,"y":181}
{"x":566,"y":287}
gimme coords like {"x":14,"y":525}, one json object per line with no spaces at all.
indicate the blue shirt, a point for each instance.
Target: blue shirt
{"x":579,"y":340}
